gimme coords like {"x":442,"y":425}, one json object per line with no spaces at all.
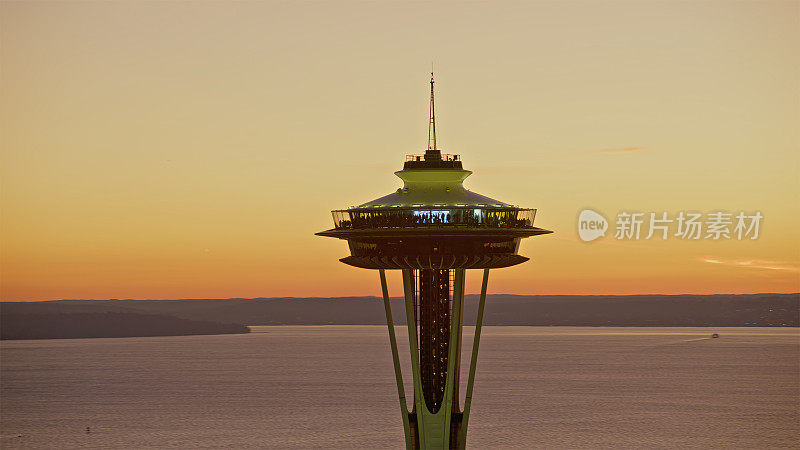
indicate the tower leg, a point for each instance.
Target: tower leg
{"x":395,"y":358}
{"x":417,"y":427}
{"x":462,"y":441}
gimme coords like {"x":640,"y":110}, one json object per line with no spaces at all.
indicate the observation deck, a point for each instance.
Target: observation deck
{"x":433,"y":219}
{"x":433,"y":222}
{"x":433,"y":237}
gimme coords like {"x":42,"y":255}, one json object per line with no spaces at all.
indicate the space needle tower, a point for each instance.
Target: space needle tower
{"x":432,"y":230}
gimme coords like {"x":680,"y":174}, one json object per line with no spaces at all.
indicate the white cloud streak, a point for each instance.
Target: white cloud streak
{"x":753,"y":264}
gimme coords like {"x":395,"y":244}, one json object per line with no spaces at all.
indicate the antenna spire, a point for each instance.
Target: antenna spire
{"x":432,"y":120}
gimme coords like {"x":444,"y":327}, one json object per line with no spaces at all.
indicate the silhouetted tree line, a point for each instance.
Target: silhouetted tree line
{"x":750,"y":310}
{"x":109,"y":324}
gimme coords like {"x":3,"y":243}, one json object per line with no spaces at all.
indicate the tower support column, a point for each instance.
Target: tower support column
{"x":398,"y":374}
{"x":476,"y":341}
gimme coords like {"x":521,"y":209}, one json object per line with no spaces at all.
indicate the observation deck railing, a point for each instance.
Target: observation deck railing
{"x":445,"y":157}
{"x":428,"y":216}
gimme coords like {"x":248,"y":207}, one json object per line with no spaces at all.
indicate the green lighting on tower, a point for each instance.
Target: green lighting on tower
{"x":433,"y":230}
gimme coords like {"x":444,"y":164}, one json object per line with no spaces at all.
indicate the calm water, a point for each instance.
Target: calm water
{"x":333,"y":387}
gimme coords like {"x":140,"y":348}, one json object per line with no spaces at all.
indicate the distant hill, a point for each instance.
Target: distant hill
{"x":762,"y":310}
{"x":67,"y":325}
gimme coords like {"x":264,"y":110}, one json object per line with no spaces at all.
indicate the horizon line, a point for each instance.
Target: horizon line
{"x":378,"y":296}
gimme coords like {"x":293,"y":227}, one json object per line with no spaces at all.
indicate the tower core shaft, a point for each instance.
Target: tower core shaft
{"x":434,"y":333}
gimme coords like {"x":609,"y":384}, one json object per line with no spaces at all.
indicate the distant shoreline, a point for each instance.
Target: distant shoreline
{"x":531,"y":326}
{"x":121,"y":318}
{"x":15,"y":326}
{"x":81,"y":300}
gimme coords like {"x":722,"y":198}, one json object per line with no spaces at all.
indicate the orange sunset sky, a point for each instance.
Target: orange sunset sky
{"x":191,"y":149}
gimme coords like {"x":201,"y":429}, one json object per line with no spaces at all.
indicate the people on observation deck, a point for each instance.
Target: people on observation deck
{"x":471,"y":217}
